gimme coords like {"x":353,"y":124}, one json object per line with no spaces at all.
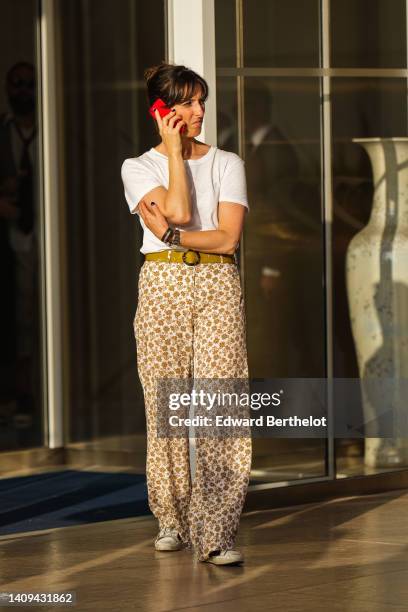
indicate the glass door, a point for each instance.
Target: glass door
{"x":22,"y":401}
{"x":368,"y":58}
{"x":104,"y":48}
{"x":268,"y":111}
{"x":312,"y":95}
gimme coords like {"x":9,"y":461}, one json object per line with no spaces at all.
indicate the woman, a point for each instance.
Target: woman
{"x":190,"y":321}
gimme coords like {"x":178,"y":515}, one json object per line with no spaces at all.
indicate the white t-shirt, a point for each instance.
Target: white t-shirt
{"x":217,"y":176}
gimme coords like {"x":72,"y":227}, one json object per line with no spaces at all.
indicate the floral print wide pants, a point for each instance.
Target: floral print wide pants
{"x":190,"y":322}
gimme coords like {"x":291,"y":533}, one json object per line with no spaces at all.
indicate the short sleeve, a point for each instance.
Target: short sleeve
{"x":233,"y":186}
{"x":138,"y":179}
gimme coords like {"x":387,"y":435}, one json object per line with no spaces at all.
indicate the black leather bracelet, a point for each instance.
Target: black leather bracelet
{"x":169,"y":240}
{"x":175,"y":239}
{"x":166,"y":235}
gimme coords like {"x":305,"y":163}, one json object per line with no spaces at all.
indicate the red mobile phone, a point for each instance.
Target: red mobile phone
{"x":164,"y":110}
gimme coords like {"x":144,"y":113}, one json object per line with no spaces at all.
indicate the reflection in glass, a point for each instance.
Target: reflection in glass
{"x":283,"y":250}
{"x":21,"y":421}
{"x":283,"y":235}
{"x":227,"y":114}
{"x":368,"y":33}
{"x":105,"y":121}
{"x":281,"y":34}
{"x":225,"y":33}
{"x":364,"y":109}
{"x":284,"y":230}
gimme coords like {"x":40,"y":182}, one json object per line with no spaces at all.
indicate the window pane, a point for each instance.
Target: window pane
{"x":284,"y":230}
{"x":281,"y":34}
{"x":225,"y":31}
{"x":227,"y":114}
{"x":368,"y":33}
{"x":21,"y":384}
{"x":284,"y":254}
{"x":105,"y":49}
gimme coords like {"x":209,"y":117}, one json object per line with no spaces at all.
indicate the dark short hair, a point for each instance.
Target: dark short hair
{"x":16,"y":67}
{"x":173,"y":84}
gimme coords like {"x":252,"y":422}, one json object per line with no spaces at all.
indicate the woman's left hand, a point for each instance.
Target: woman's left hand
{"x":153,"y":218}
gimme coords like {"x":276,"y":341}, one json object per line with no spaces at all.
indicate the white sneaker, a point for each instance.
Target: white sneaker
{"x":228,"y":557}
{"x":168,"y":539}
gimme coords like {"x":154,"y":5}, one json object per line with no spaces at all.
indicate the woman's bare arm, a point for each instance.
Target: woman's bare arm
{"x":178,"y":198}
{"x":224,"y":239}
{"x":174,"y":202}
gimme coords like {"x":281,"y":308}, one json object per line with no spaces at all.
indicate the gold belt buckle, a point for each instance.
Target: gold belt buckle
{"x":197,"y":258}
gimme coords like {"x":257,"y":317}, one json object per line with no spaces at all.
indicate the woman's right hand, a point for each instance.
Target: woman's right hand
{"x":170,"y":133}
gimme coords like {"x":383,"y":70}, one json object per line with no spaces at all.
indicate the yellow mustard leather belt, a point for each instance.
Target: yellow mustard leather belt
{"x":190,"y":257}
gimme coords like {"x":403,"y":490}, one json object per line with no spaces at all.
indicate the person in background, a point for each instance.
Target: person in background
{"x":18,"y":265}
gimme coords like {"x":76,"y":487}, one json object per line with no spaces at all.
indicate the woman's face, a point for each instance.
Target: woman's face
{"x":192,"y":112}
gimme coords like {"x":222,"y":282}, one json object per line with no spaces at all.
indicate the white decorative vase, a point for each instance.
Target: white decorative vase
{"x":377,"y":287}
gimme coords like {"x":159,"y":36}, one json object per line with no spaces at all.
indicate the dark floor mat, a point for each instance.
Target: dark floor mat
{"x":69,"y":497}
